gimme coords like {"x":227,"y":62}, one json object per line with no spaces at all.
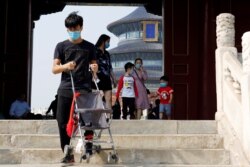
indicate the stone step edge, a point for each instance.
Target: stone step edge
{"x":160,"y":149}
{"x":120,"y":165}
{"x":170,"y":127}
{"x":127,"y":156}
{"x":125,"y":135}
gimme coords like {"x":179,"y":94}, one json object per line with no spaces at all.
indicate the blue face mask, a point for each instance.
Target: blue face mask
{"x":138,"y":66}
{"x":163,"y":84}
{"x":74,"y":35}
{"x":107,"y":45}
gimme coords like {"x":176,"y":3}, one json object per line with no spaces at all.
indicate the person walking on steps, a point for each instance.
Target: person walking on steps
{"x":105,"y":73}
{"x":76,"y":55}
{"x":128,"y":87}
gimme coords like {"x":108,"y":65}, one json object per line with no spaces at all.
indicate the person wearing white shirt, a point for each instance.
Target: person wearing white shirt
{"x":128,"y":87}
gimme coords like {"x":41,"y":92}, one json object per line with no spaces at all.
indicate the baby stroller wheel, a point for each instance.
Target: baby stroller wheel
{"x":68,"y":150}
{"x":109,"y":158}
{"x":98,"y":148}
{"x":115,"y":158}
{"x":86,"y":157}
{"x":112,"y":157}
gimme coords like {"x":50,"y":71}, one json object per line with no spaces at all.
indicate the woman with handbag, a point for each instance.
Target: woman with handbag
{"x":140,"y":75}
{"x":105,"y":74}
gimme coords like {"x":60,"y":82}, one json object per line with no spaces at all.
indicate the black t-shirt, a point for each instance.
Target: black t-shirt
{"x":82,"y":53}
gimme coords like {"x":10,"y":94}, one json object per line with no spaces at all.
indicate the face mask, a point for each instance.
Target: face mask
{"x":138,"y":66}
{"x":107,"y":45}
{"x":74,"y":35}
{"x":163,"y":84}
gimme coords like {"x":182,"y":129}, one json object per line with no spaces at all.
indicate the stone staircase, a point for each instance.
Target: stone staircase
{"x":139,"y":143}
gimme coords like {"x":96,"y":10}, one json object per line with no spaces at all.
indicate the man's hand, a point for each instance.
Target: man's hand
{"x":69,"y":66}
{"x":94,"y":67}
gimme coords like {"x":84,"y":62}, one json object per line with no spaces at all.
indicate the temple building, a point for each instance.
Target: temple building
{"x":140,"y":36}
{"x":185,"y":43}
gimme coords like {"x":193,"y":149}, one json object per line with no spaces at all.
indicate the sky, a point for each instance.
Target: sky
{"x":50,"y":29}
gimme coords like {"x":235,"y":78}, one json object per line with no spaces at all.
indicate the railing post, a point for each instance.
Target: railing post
{"x":246,"y":52}
{"x":225,"y":34}
{"x":225,"y":31}
{"x":245,"y":87}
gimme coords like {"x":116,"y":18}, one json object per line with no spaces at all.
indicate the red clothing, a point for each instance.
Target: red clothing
{"x":128,"y":86}
{"x":164,"y":93}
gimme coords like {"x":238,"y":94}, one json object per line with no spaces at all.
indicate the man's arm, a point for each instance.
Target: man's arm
{"x":59,"y":68}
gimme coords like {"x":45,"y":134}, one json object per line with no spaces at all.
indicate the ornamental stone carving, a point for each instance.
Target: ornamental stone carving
{"x":225,"y":31}
{"x":246,"y":52}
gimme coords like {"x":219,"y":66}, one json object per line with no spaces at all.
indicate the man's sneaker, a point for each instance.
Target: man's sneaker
{"x":68,"y":159}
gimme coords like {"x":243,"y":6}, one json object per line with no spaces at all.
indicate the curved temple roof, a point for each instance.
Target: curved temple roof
{"x":137,"y":46}
{"x":140,"y":14}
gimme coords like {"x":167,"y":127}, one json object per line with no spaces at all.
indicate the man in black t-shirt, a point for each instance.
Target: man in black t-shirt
{"x":75,"y":55}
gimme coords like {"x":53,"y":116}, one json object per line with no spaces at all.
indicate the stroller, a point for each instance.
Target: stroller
{"x":90,"y":115}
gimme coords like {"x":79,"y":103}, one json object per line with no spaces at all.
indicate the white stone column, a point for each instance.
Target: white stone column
{"x":246,"y":52}
{"x":225,"y":33}
{"x":245,"y":89}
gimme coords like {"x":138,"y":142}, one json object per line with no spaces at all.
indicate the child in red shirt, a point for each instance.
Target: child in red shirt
{"x":165,"y":93}
{"x":129,"y":91}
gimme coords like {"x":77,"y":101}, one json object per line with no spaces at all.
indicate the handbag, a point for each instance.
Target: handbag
{"x":148,"y":91}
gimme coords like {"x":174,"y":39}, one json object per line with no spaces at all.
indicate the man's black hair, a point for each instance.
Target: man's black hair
{"x":73,"y":20}
{"x":102,"y":38}
{"x":128,"y":65}
{"x":164,"y":78}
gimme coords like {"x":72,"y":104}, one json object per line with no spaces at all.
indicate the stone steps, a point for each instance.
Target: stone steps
{"x":134,"y":165}
{"x":117,"y":127}
{"x":126,"y":156}
{"x":166,"y":141}
{"x":139,"y":143}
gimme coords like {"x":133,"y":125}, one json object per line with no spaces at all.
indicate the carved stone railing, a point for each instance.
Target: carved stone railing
{"x":233,"y":90}
{"x":233,"y":73}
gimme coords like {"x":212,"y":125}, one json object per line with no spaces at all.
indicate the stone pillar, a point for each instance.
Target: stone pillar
{"x":246,"y":52}
{"x":245,"y":87}
{"x":225,"y":33}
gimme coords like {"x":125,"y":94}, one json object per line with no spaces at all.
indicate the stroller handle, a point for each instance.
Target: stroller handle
{"x":73,"y":85}
{"x":97,"y":88}
{"x":72,"y":82}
